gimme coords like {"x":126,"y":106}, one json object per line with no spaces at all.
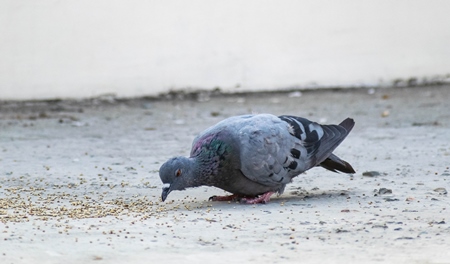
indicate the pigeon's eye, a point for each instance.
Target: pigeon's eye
{"x":178,"y":173}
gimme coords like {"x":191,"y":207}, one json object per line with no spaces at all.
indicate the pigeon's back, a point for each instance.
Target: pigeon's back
{"x":226,"y":130}
{"x":270,"y":154}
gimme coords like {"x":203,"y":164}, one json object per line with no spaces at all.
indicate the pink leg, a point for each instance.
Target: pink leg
{"x":263,"y":198}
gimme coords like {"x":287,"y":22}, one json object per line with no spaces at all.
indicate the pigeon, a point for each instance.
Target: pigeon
{"x":255,"y":156}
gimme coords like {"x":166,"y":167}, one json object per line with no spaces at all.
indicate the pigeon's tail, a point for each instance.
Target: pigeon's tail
{"x":320,"y":148}
{"x":348,"y":124}
{"x":334,"y":163}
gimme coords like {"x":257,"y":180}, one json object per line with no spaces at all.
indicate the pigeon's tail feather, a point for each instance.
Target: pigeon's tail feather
{"x":335,"y":164}
{"x":348,"y":124}
{"x":333,"y":136}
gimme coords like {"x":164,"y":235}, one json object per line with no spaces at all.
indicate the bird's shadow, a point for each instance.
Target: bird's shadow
{"x":302,"y":195}
{"x":294,"y":197}
{"x":298,"y":197}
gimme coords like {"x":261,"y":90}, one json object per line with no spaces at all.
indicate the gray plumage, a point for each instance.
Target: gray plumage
{"x":253,"y":155}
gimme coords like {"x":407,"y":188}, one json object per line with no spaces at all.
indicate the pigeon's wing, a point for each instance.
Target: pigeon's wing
{"x":319,"y":140}
{"x":269,"y":153}
{"x":275,"y":149}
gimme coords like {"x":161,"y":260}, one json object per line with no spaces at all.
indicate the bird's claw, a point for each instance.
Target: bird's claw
{"x":216,"y":198}
{"x":262,"y":199}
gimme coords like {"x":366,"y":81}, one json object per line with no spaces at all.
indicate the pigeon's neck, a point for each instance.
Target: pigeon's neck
{"x":205,"y":167}
{"x":210,"y":159}
{"x":192,"y":174}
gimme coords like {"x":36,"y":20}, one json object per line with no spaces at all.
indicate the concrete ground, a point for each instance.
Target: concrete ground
{"x":79,"y":182}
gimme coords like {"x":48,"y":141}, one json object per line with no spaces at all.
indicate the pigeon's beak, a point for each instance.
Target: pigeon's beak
{"x":165,"y":191}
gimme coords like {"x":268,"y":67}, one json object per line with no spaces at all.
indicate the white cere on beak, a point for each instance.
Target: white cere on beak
{"x":166,"y":185}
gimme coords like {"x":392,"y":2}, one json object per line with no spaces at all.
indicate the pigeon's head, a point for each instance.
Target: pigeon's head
{"x":175,"y":175}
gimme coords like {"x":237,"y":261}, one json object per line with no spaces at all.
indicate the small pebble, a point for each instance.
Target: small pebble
{"x":441,"y":191}
{"x":404,"y":238}
{"x":371,"y":173}
{"x":383,"y":191}
{"x":385,"y":113}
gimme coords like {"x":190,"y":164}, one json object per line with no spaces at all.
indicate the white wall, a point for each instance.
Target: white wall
{"x":83,"y":48}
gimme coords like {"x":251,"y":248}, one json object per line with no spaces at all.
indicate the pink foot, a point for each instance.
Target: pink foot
{"x":263,"y":198}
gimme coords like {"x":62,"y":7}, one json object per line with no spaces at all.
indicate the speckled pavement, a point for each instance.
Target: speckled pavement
{"x":79,"y":182}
